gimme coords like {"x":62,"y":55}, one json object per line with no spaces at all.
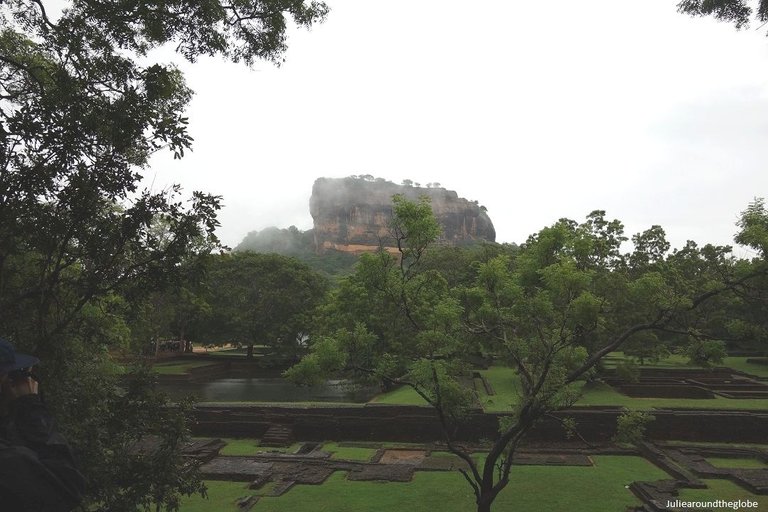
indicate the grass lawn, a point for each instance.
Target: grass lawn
{"x":603,"y":394}
{"x":724,"y":490}
{"x":505,"y":383}
{"x":222,"y":497}
{"x":532,"y":489}
{"x":502,"y":379}
{"x":348,"y":452}
{"x":740,"y":363}
{"x":707,"y":445}
{"x":246,"y":446}
{"x":725,"y":462}
{"x":177,"y":368}
{"x":678,"y":361}
{"x":404,"y":395}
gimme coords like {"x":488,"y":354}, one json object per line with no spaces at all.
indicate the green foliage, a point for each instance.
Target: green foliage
{"x":300,"y":245}
{"x":288,"y":242}
{"x":436,"y":380}
{"x":631,"y":426}
{"x":646,"y":346}
{"x":737,"y":12}
{"x":551,"y":310}
{"x":83,"y":251}
{"x":414,"y":227}
{"x":754,"y":227}
{"x":628,"y":371}
{"x":127,"y":435}
{"x":263,"y":299}
{"x":81,"y":118}
{"x":651,"y":247}
{"x":103,"y":324}
{"x":394,"y":321}
{"x":569,"y":425}
{"x":327,"y":357}
{"x":705,"y":353}
{"x":458,"y":264}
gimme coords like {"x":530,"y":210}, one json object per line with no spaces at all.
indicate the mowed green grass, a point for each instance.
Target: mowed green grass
{"x":724,"y":490}
{"x":740,"y":363}
{"x":348,"y":452}
{"x":178,"y":368}
{"x":249,"y":446}
{"x":531,"y":489}
{"x":725,"y":462}
{"x":404,"y":395}
{"x":506,"y":385}
{"x":502,"y":379}
{"x":222,"y":497}
{"x":603,"y":394}
{"x":677,"y":361}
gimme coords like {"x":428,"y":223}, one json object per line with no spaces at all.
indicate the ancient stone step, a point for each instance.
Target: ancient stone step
{"x":666,"y":460}
{"x":236,"y":469}
{"x":277,"y":435}
{"x":246,"y":503}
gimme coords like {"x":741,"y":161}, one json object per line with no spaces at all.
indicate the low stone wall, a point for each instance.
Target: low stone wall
{"x":691,"y":383}
{"x":665,"y":391}
{"x":709,"y":426}
{"x":368,"y":422}
{"x":420,"y":424}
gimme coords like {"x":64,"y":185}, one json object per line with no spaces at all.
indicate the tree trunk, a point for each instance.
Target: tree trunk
{"x":484,"y":503}
{"x":249,"y":354}
{"x":182,"y":341}
{"x":489,"y":491}
{"x":186,"y":346}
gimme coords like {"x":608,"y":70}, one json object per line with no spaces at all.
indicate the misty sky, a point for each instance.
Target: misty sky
{"x":539,"y":110}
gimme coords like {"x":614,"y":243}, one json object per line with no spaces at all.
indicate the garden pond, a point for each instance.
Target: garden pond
{"x":267,"y":389}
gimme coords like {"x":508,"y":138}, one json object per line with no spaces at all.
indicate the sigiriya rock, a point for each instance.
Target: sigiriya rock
{"x":353,"y":214}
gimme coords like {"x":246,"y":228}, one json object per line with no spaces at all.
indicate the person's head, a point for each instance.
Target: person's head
{"x":11,"y":361}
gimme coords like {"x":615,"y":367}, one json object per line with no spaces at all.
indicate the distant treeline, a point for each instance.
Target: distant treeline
{"x":300,"y":245}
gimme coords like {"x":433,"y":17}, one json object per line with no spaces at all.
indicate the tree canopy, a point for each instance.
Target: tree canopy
{"x":79,"y":118}
{"x":82,"y":109}
{"x":738,"y":12}
{"x":265,"y":299}
{"x":551,"y":311}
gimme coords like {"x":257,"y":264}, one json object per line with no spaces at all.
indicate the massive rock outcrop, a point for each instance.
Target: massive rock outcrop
{"x":353,"y":214}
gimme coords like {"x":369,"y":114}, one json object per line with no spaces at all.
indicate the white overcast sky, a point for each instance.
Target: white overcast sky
{"x":539,"y":110}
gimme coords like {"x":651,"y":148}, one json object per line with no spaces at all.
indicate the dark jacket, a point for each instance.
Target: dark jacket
{"x":37,"y":469}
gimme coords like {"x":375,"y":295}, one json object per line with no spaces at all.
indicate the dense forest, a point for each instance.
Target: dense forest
{"x":300,"y":245}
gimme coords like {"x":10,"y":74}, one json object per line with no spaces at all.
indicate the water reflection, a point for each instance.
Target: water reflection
{"x":268,"y":389}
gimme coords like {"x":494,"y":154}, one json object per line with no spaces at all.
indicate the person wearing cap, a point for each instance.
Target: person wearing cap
{"x":37,"y":469}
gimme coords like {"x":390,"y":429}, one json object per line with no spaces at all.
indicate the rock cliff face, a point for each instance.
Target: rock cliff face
{"x":352,"y":215}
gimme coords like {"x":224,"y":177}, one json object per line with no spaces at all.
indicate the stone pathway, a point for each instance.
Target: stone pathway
{"x":687,"y":463}
{"x":312,"y":466}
